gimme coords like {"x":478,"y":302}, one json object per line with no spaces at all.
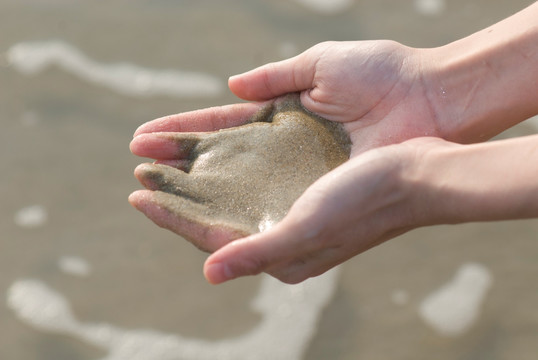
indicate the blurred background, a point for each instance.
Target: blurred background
{"x":85,"y":276}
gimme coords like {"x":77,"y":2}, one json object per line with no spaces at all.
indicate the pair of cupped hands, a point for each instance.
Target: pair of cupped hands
{"x":377,"y":90}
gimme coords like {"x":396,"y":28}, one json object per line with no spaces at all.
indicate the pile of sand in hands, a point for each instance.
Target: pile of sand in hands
{"x":233,"y":182}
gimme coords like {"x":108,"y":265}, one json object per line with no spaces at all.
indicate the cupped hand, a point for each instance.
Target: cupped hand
{"x":383,"y":92}
{"x":214,"y":187}
{"x":377,"y":90}
{"x":370,"y":199}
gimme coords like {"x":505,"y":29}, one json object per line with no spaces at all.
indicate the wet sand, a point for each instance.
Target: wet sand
{"x":70,"y":239}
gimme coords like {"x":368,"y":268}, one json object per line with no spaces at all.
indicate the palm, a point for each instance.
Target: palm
{"x":215,"y":187}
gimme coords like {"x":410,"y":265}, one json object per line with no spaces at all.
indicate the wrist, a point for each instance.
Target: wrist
{"x":487,"y":82}
{"x":493,"y":181}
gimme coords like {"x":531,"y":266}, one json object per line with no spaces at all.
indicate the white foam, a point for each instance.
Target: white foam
{"x":31,"y":216}
{"x":40,"y":306}
{"x":455,"y":307}
{"x":326,"y":7}
{"x":430,"y":7}
{"x":74,"y":265}
{"x":290,"y":314}
{"x":32,"y":57}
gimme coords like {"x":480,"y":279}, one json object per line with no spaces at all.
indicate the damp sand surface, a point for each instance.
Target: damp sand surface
{"x":68,"y":231}
{"x":245,"y":179}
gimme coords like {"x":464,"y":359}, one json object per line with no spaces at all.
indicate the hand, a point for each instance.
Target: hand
{"x":380,"y":90}
{"x":385,"y":192}
{"x":214,"y":187}
{"x":383,"y":93}
{"x":378,"y":195}
{"x":388,"y":110}
{"x":364,"y":202}
{"x":356,"y":206}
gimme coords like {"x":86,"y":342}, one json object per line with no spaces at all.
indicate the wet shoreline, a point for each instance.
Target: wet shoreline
{"x":70,"y":237}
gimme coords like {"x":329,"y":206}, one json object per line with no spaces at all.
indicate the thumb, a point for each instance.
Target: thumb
{"x":255,"y":254}
{"x":275,"y":79}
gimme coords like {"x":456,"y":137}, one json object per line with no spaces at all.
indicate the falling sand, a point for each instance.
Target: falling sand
{"x":242,"y":180}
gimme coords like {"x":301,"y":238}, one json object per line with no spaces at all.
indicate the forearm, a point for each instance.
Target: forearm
{"x":487,"y":82}
{"x":479,"y":182}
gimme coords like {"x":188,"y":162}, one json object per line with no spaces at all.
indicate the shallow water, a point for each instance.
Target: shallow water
{"x":85,"y":276}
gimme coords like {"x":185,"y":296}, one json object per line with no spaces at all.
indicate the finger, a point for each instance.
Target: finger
{"x":204,"y":120}
{"x":257,"y":253}
{"x":182,"y":216}
{"x":164,"y":178}
{"x":275,"y":79}
{"x":165,"y":146}
{"x":183,"y":165}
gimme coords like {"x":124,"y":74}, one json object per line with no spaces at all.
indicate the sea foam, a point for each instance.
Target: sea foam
{"x":125,"y":78}
{"x":289,"y":319}
{"x":326,"y":7}
{"x":452,"y":309}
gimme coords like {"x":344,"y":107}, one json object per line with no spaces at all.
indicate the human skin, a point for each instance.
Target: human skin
{"x":234,"y":182}
{"x":424,"y":104}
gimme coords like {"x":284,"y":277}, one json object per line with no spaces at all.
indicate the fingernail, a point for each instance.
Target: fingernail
{"x":217,"y":273}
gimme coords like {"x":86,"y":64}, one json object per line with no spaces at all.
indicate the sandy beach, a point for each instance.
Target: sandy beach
{"x":85,"y":276}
